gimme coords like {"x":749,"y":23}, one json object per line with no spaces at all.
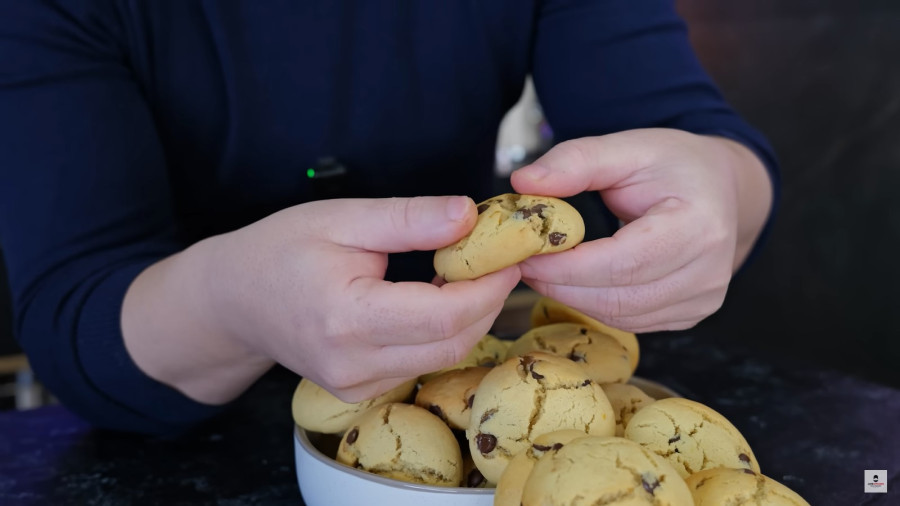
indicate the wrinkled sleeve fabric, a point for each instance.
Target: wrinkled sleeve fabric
{"x":603,"y":66}
{"x":85,"y":206}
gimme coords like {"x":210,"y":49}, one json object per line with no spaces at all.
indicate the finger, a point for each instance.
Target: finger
{"x":423,"y":358}
{"x":369,"y":389}
{"x":643,"y":251}
{"x":388,"y":313}
{"x":396,"y":224}
{"x":638,"y":307}
{"x":588,"y":163}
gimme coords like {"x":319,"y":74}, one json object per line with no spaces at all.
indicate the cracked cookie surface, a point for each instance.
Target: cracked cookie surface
{"x":691,"y":436}
{"x":512,"y":481}
{"x":509,"y":229}
{"x":626,"y":400}
{"x":603,"y":358}
{"x":603,"y":471}
{"x":546,"y":311}
{"x":528,"y":396}
{"x":715,"y":487}
{"x":450,"y":395}
{"x":403,"y":442}
{"x":317,"y":410}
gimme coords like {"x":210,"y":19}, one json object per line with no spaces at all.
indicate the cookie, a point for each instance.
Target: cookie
{"x":547,"y":310}
{"x":604,"y":470}
{"x":450,"y":395}
{"x":488,"y":352}
{"x":691,"y":436}
{"x":626,"y":400}
{"x":528,"y":396}
{"x":315,"y":409}
{"x":509,"y":229}
{"x":603,"y":358}
{"x":403,"y":442}
{"x":512,"y":481}
{"x":714,"y":487}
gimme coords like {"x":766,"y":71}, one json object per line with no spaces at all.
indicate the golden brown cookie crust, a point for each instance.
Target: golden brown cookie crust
{"x":604,"y":470}
{"x":528,"y":396}
{"x":546,"y":311}
{"x":714,"y":487}
{"x":450,"y":395}
{"x":317,"y":410}
{"x":603,"y":357}
{"x":509,"y":229}
{"x":691,"y":436}
{"x":403,"y":442}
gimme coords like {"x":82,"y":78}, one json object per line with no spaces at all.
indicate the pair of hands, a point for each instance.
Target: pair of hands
{"x":306,"y":286}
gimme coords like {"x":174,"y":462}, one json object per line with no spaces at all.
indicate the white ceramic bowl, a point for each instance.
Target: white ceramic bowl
{"x":325,"y":482}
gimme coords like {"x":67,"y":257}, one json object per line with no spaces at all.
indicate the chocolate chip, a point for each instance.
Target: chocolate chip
{"x":586,"y":383}
{"x":352,"y":435}
{"x":676,"y":438}
{"x":583,"y":331}
{"x":649,"y":487}
{"x":556,"y":446}
{"x":557,"y":238}
{"x":522,"y":214}
{"x":749,"y":472}
{"x":470,"y":401}
{"x":541,"y":448}
{"x":744,"y":458}
{"x":483,"y":207}
{"x":475,"y":479}
{"x":434,"y":408}
{"x":486,"y":442}
{"x":534,"y":374}
{"x":538,"y":209}
{"x":576,"y":357}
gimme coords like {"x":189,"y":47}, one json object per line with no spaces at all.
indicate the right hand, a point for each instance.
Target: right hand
{"x":305,"y":287}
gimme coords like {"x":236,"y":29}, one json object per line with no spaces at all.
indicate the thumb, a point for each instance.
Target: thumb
{"x":578,"y":165}
{"x":399,"y":224}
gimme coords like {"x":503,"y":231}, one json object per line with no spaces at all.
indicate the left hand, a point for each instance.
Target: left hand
{"x":692,"y":207}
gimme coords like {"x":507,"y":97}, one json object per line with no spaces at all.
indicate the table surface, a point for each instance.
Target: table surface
{"x":814,"y":430}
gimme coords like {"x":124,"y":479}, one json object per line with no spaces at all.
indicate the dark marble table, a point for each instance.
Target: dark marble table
{"x":814,"y":430}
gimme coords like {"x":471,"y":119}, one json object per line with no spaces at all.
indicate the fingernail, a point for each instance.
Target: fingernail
{"x":458,"y":208}
{"x":534,"y":172}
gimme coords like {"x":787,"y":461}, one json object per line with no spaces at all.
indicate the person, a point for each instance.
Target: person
{"x":167,"y":242}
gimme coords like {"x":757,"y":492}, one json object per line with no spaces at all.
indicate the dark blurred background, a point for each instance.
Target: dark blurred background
{"x":822,"y":80}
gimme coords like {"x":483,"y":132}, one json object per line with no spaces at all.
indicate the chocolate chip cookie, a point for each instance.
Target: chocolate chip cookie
{"x":514,"y":477}
{"x":315,"y":409}
{"x":450,"y":395}
{"x":403,"y":442}
{"x":714,"y":487}
{"x":547,"y":310}
{"x":509,"y":229}
{"x":604,"y":470}
{"x":528,"y":396}
{"x":626,"y":400}
{"x":603,"y":358}
{"x":691,"y":436}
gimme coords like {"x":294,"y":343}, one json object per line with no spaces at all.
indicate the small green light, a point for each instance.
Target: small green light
{"x":310,"y":173}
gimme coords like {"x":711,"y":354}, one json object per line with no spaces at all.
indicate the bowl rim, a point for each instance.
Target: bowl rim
{"x":302,"y":438}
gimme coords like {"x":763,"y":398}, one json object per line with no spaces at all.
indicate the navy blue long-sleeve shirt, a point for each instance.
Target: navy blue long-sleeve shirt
{"x":130,"y":129}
